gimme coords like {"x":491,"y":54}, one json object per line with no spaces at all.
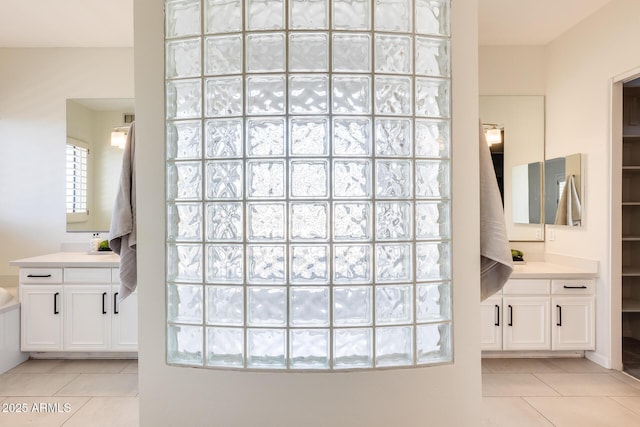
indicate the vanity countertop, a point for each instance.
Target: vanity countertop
{"x":70,"y":259}
{"x":548,"y":270}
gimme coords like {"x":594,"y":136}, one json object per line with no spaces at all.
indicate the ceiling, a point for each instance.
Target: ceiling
{"x":103,"y":23}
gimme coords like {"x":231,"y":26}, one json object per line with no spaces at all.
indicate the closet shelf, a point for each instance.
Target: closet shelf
{"x":630,"y":203}
{"x":630,"y":305}
{"x":630,"y":271}
{"x":631,"y":238}
{"x":631,"y":169}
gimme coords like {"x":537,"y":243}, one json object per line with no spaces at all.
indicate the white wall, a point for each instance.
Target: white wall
{"x":444,"y":395}
{"x":512,"y":70}
{"x":35,"y":84}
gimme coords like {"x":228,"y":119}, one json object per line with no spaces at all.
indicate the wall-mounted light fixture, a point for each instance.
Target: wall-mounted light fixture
{"x":119,"y":136}
{"x":493,"y":133}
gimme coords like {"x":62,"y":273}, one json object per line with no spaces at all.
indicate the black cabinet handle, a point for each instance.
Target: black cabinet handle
{"x":510,"y":315}
{"x":575,"y":287}
{"x":115,"y":303}
{"x":104,"y":296}
{"x":55,"y":303}
{"x":38,"y":275}
{"x":559,"y":322}
{"x":497,"y":315}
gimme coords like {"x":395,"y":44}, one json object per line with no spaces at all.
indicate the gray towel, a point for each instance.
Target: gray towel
{"x":569,"y":208}
{"x":496,"y":264}
{"x":122,"y":233}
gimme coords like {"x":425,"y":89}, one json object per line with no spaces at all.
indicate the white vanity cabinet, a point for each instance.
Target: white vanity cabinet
{"x":573,"y":315}
{"x":491,"y":322}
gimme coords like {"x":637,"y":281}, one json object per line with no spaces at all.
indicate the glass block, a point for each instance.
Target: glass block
{"x":266,"y":306}
{"x":309,"y":264}
{"x":184,"y":180}
{"x":433,"y":261}
{"x":223,"y":16}
{"x":351,"y":14}
{"x":432,"y":98}
{"x":182,"y":18}
{"x":393,"y":15}
{"x":432,"y":57}
{"x":224,"y":264}
{"x":394,"y":346}
{"x":225,"y":347}
{"x":184,"y":345}
{"x":432,"y":138}
{"x":225,"y":305}
{"x":394,"y":305}
{"x":265,"y":137}
{"x":265,"y":95}
{"x":309,"y":221}
{"x":184,"y":263}
{"x":223,"y":138}
{"x":265,"y":179}
{"x":352,"y":136}
{"x":182,"y":58}
{"x":266,"y":221}
{"x":352,"y":306}
{"x":433,"y":220}
{"x":309,"y":136}
{"x":184,"y":222}
{"x":266,"y":348}
{"x":309,"y":349}
{"x":393,"y":220}
{"x":393,"y":54}
{"x":352,"y":221}
{"x":393,"y":262}
{"x":265,"y":14}
{"x":433,"y":343}
{"x":184,"y":140}
{"x":308,"y":14}
{"x":184,"y":99}
{"x":393,"y":95}
{"x":265,"y":52}
{"x":184,"y":304}
{"x":433,"y":302}
{"x":309,"y":306}
{"x":223,"y":55}
{"x":351,"y":95}
{"x":352,"y":264}
{"x":352,"y":348}
{"x":224,"y":179}
{"x":308,"y":94}
{"x":223,"y":96}
{"x":266,"y":264}
{"x":432,"y":17}
{"x":308,"y":51}
{"x":309,"y":178}
{"x":351,"y":53}
{"x":393,"y":178}
{"x":432,"y":179}
{"x":224,"y":222}
{"x":351,"y":179}
{"x":393,"y":137}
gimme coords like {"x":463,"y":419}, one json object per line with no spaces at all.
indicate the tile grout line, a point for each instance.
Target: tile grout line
{"x":66,"y":384}
{"x":524,"y":398}
{"x":90,"y":398}
{"x":548,"y":385}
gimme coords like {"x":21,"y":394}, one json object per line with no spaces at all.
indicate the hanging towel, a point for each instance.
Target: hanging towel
{"x":122,"y":233}
{"x":496,"y":264}
{"x":569,"y":208}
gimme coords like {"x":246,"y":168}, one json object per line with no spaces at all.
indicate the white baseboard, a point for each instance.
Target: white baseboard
{"x":600,"y":359}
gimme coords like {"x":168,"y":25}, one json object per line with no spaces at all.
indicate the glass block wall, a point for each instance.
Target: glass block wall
{"x":308,"y":183}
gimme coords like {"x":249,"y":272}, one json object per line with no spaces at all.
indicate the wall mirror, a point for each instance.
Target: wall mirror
{"x":521,"y":119}
{"x":93,"y":164}
{"x":563,"y":190}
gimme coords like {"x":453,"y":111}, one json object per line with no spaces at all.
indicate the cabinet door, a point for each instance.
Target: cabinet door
{"x":526,"y":323}
{"x":491,"y":324}
{"x":41,"y":316}
{"x":87,"y":320}
{"x":124,"y":326}
{"x":573,"y":323}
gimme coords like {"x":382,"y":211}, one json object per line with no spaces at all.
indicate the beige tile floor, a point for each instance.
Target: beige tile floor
{"x":516,"y":392}
{"x":557,"y":392}
{"x":70,"y":393}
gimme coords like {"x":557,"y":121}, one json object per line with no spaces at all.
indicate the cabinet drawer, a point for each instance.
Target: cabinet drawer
{"x":87,"y":275}
{"x":115,"y":275}
{"x":573,"y":286}
{"x":40,"y":275}
{"x":526,"y":287}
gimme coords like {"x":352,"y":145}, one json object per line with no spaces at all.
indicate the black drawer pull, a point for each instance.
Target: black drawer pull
{"x":104,"y":296}
{"x":559,"y":322}
{"x":510,"y":315}
{"x":575,"y":287}
{"x":115,"y":303}
{"x":497,"y":323}
{"x":39,"y":275}
{"x":55,"y":303}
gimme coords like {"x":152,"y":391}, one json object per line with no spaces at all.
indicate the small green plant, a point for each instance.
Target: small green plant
{"x":104,"y":246}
